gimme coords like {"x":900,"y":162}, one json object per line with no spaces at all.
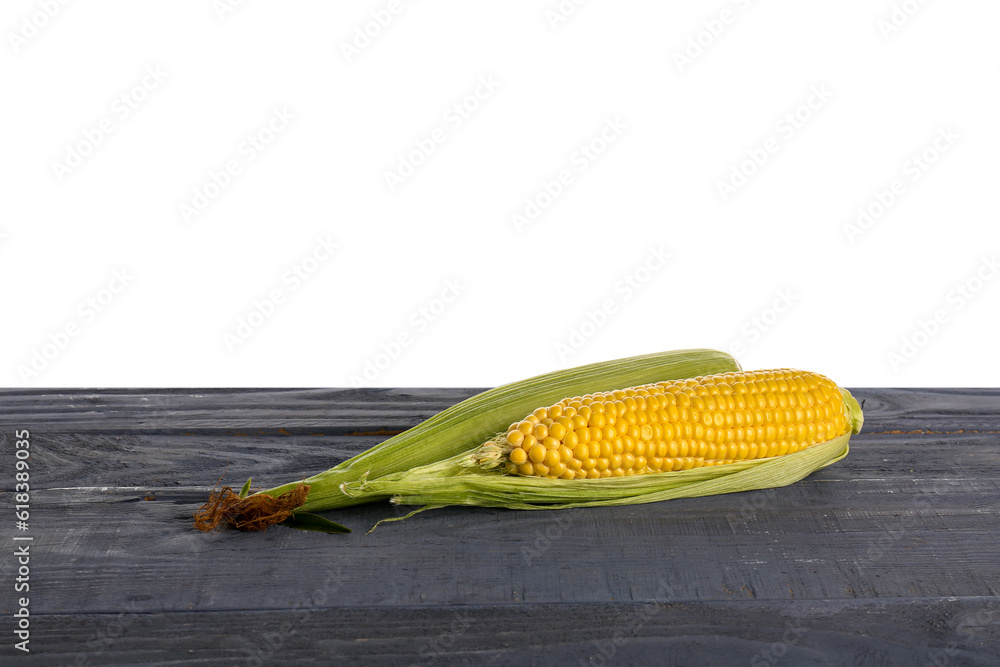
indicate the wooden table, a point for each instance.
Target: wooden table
{"x":889,"y":557}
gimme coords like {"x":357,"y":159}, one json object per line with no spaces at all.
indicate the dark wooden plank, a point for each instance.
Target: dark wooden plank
{"x":912,"y":518}
{"x":861,"y":528}
{"x":101,"y":551}
{"x":940,"y":410}
{"x":236,"y":411}
{"x":340,"y":411}
{"x":127,"y":438}
{"x":196,"y":461}
{"x":963,"y":631}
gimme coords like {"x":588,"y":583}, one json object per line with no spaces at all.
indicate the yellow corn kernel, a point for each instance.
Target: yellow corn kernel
{"x":557,"y":431}
{"x":678,"y":425}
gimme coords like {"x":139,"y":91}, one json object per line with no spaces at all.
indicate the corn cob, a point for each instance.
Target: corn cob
{"x":722,"y":431}
{"x":677,"y":425}
{"x":789,"y":422}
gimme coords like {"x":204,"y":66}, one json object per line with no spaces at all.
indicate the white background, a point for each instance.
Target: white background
{"x":771,"y":267}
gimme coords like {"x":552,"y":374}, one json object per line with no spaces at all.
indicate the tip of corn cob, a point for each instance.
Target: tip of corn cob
{"x":852,"y":411}
{"x":492,"y":454}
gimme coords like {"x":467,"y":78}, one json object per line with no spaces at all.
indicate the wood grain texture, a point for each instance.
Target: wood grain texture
{"x":882,"y":558}
{"x":822,"y":632}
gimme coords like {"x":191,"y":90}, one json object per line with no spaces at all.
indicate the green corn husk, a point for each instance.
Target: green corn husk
{"x":474,"y":478}
{"x":476,"y":419}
